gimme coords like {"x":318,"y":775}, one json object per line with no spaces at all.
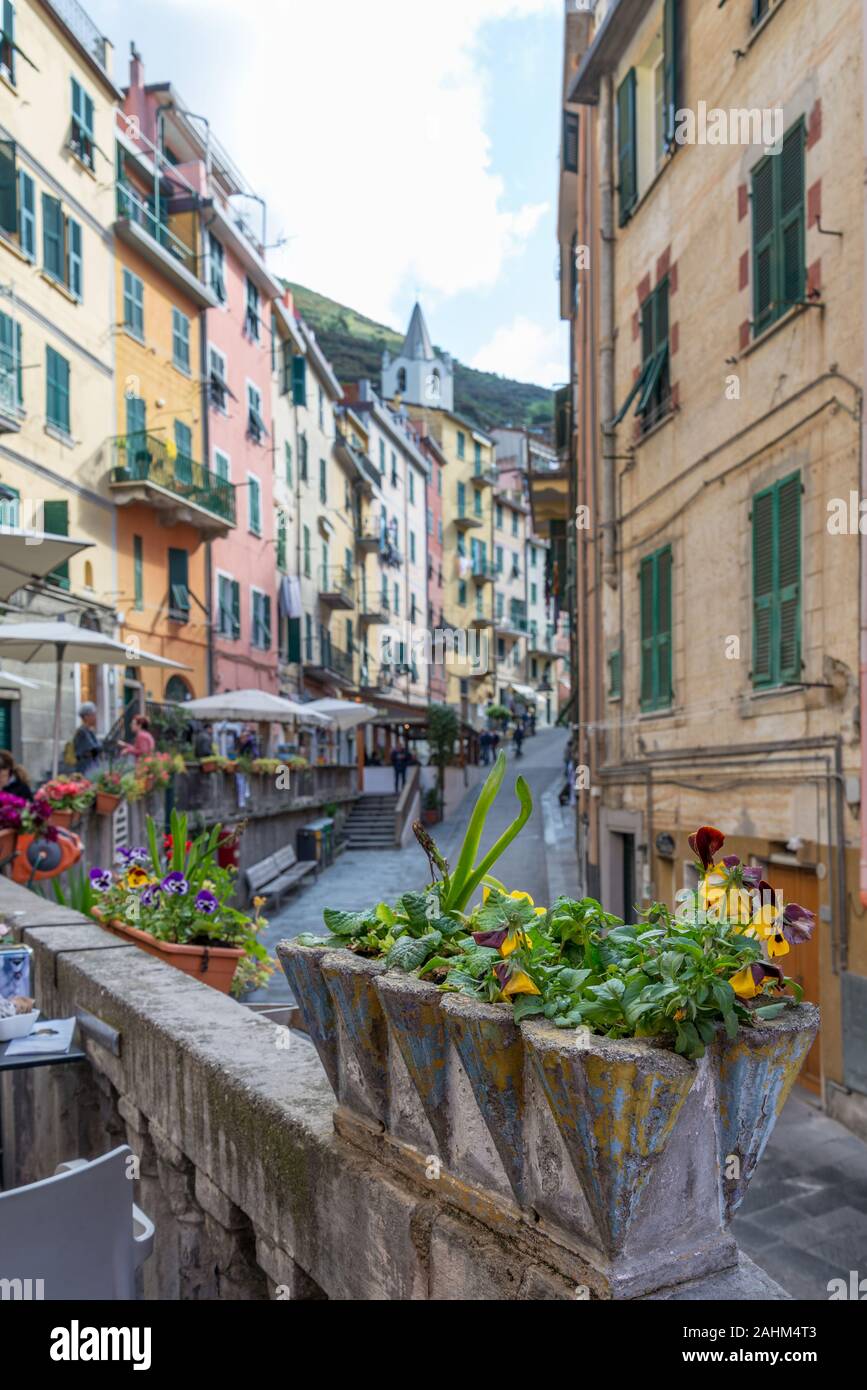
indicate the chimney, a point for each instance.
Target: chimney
{"x":136,"y":67}
{"x":289,"y":300}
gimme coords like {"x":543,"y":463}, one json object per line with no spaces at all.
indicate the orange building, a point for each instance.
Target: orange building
{"x":169,"y":503}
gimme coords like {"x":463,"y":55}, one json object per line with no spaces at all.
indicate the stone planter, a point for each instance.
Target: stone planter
{"x":620,"y":1152}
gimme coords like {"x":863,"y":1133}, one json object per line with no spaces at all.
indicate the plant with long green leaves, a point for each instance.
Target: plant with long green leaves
{"x":468,"y":876}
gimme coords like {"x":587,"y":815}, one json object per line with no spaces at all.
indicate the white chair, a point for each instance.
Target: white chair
{"x":79,"y":1233}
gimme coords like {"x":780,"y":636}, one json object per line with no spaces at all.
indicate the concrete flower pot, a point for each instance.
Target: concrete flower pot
{"x":618,"y":1150}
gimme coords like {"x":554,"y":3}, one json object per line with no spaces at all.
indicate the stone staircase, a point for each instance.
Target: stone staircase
{"x":370,"y":824}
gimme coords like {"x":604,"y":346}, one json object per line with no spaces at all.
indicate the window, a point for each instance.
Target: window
{"x":477,"y":502}
{"x":55,"y":522}
{"x":254,"y":494}
{"x":396,"y":609}
{"x":393,"y":469}
{"x":652,"y":387}
{"x":429,"y":522}
{"x":217,"y":267}
{"x":251,"y":315}
{"x":133,"y":305}
{"x":614,"y":678}
{"x":776,"y":518}
{"x":778,"y":231}
{"x":306,"y":551}
{"x":180,"y":341}
{"x":411,"y":485}
{"x":501,"y":605}
{"x":7,"y":42}
{"x":11,"y":397}
{"x":179,"y":586}
{"x":498,"y":559}
{"x":81,"y":138}
{"x":183,"y":453}
{"x":287,"y":461}
{"x":655,"y":600}
{"x":501,"y":649}
{"x":477,"y":456}
{"x":321,"y":409}
{"x":462,"y":444}
{"x":228,"y":607}
{"x":136,"y":427}
{"x":74,"y":276}
{"x":440,"y":530}
{"x":570,"y":142}
{"x":57,"y":390}
{"x":255,"y":424}
{"x":498,"y":516}
{"x":26,"y":215}
{"x":760,"y":9}
{"x":627,"y":148}
{"x":218,"y":383}
{"x":439,"y":480}
{"x":462,"y":499}
{"x":53,"y":257}
{"x":514,"y":523}
{"x":462,"y":592}
{"x":138,"y":573}
{"x":261,"y":620}
{"x":302,"y":457}
{"x":533,"y":557}
{"x":382,"y":458}
{"x":534,"y":593}
{"x":222,"y":466}
{"x":323,"y":481}
{"x":412,"y":547}
{"x":299,"y":380}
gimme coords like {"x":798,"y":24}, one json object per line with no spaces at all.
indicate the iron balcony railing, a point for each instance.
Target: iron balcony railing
{"x":542,"y":638}
{"x":80,"y":24}
{"x":484,"y":569}
{"x":319,"y":651}
{"x":131,"y":207}
{"x":146,"y":459}
{"x":337,"y":582}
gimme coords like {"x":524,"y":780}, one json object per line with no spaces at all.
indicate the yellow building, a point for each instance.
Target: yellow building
{"x":169,"y":502}
{"x":57,"y":305}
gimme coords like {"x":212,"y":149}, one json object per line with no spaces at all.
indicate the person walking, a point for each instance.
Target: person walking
{"x":143,"y":742}
{"x":485,"y":745}
{"x":86,"y":746}
{"x":203,"y":746}
{"x":518,"y":739}
{"x":399,"y":762}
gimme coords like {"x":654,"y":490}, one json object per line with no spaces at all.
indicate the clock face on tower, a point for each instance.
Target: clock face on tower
{"x":432,"y":387}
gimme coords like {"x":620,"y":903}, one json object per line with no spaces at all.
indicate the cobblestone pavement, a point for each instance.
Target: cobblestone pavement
{"x":804,"y":1219}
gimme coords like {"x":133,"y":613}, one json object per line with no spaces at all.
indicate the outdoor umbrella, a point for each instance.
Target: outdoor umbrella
{"x":258,"y":706}
{"x":29,"y":555}
{"x":346,"y":714}
{"x":59,"y":642}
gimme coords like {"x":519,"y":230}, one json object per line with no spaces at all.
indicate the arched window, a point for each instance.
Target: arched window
{"x":401,"y":379}
{"x":88,"y":575}
{"x":178,"y":690}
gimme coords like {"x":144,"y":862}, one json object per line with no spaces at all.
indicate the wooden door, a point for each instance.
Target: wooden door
{"x":802,"y":962}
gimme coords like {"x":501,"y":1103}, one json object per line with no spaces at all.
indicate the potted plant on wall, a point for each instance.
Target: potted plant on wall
{"x":11,"y":810}
{"x":109,"y":791}
{"x":172,"y":900}
{"x":430,"y":811}
{"x":41,"y":849}
{"x":68,"y":798}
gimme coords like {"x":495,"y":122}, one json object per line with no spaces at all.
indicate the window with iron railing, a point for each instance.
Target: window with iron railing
{"x":251,"y":315}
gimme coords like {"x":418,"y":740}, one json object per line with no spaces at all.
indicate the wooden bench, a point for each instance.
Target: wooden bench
{"x":280,"y":873}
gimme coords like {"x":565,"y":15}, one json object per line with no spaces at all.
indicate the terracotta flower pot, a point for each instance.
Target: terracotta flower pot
{"x":68,"y":844}
{"x":106,"y":803}
{"x":209,"y":765}
{"x":212,"y":965}
{"x":63,"y":820}
{"x":7,"y":843}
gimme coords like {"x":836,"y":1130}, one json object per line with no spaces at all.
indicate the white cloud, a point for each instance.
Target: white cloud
{"x":526,"y":351}
{"x":364,"y":126}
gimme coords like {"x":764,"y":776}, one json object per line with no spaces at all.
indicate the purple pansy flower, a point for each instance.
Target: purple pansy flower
{"x":206,"y":903}
{"x":150,"y":896}
{"x":138,"y":854}
{"x":175,"y":883}
{"x":798,"y":924}
{"x":490,"y":938}
{"x":100,"y":880}
{"x":753,"y":874}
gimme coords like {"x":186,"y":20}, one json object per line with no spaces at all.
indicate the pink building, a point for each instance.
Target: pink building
{"x":204,"y":204}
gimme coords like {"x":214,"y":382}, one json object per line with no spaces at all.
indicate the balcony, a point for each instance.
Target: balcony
{"x":466,"y":521}
{"x":325,"y":661}
{"x":147,"y":470}
{"x":481,"y":620}
{"x":541,"y":641}
{"x":483,"y":572}
{"x":515,"y":625}
{"x":373,"y":608}
{"x":152,"y":237}
{"x":83,"y":30}
{"x":10,"y":407}
{"x":368,"y":538}
{"x":336,"y":587}
{"x":485,"y":477}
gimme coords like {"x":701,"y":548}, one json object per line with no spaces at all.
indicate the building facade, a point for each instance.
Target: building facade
{"x":714,"y":290}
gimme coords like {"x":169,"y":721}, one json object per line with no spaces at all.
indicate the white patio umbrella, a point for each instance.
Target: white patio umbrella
{"x":59,"y":642}
{"x":6,"y":679}
{"x":258,"y":706}
{"x":29,"y":555}
{"x":345,"y":714}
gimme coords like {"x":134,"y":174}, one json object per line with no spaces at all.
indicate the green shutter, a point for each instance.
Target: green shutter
{"x":299,"y":380}
{"x":293,"y":639}
{"x":627,"y":166}
{"x":52,"y":237}
{"x":236,"y":608}
{"x":8,"y":187}
{"x":74,"y":275}
{"x":671,"y":67}
{"x":646,"y":600}
{"x":614,"y":676}
{"x":288,"y":457}
{"x":138,"y":573}
{"x":763,"y":587}
{"x":57,"y":390}
{"x":9,"y":55}
{"x":663,"y":628}
{"x":655,"y":580}
{"x":266,"y":622}
{"x":184,"y":456}
{"x":136,"y":424}
{"x":281,"y":541}
{"x":55,"y":522}
{"x":789,"y":577}
{"x":791,"y":215}
{"x":27,"y":215}
{"x":179,"y":582}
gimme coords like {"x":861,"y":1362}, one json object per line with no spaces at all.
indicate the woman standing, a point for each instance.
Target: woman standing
{"x":13,"y":778}
{"x":143,"y":743}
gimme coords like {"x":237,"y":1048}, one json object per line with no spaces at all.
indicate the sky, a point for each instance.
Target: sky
{"x":405,"y":150}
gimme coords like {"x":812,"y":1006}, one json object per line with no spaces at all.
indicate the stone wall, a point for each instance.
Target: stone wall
{"x":252,"y":1192}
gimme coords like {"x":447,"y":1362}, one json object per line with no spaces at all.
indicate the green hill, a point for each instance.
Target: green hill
{"x":354,"y":346}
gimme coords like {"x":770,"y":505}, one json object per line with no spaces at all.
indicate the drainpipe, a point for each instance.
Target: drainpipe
{"x":607,"y":327}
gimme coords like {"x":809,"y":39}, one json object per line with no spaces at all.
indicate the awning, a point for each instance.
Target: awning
{"x":345,"y":714}
{"x":26,"y":556}
{"x":257,"y":706}
{"x":525,"y":692}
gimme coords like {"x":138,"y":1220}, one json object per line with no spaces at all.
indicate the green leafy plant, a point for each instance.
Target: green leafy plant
{"x":443,"y":729}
